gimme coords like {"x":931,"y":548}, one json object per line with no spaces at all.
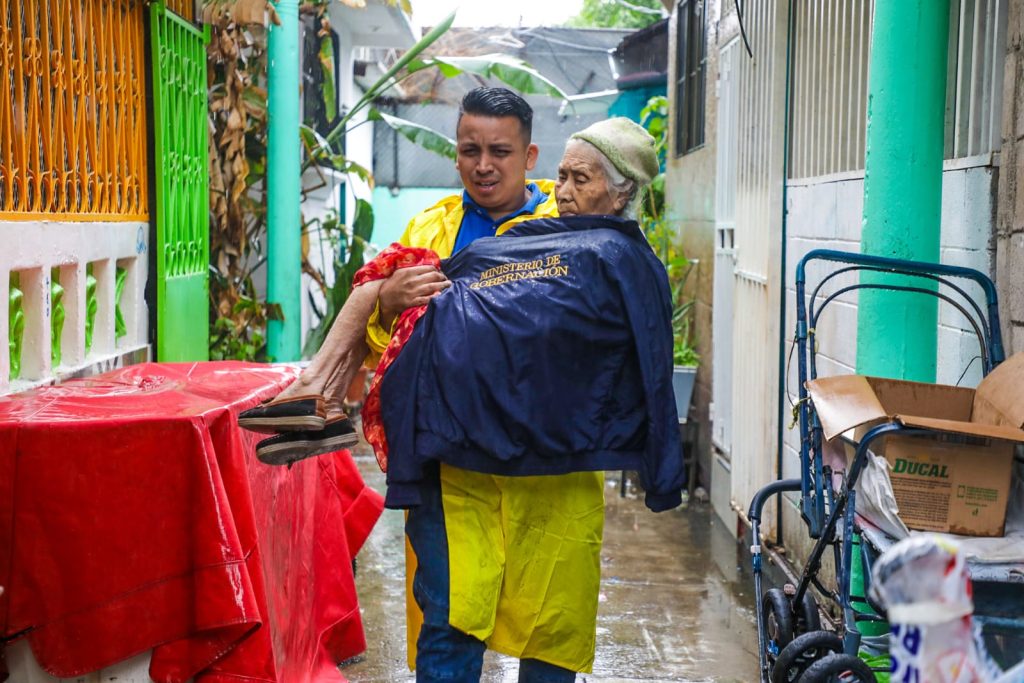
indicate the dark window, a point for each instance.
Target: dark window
{"x":691,"y":57}
{"x":319,"y":81}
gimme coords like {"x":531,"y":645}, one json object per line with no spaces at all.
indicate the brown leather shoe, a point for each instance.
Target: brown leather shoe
{"x":290,"y":415}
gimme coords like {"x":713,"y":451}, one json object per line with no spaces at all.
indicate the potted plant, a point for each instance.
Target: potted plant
{"x":663,"y":240}
{"x":679,"y":269}
{"x":684,"y":355}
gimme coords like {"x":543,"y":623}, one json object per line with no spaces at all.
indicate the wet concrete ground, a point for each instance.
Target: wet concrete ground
{"x":676,"y":598}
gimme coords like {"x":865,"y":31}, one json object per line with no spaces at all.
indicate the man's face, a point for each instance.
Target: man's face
{"x":492,"y":159}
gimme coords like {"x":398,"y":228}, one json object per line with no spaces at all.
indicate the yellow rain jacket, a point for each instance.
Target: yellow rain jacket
{"x":524,"y":552}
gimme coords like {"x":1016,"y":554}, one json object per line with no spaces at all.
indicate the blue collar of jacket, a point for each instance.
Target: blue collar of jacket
{"x":471,"y":208}
{"x":477,"y":223}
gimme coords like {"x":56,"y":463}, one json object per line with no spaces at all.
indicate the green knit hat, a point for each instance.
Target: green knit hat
{"x":629,"y":147}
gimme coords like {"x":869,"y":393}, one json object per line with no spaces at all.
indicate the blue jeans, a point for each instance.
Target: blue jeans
{"x":443,"y":653}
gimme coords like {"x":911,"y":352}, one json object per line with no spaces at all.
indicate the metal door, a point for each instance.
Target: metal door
{"x":182,"y":187}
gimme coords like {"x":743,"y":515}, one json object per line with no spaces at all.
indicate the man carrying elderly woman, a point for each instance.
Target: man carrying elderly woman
{"x":542,"y":359}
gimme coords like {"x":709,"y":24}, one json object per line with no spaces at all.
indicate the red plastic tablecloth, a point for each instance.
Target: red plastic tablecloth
{"x":134,"y":516}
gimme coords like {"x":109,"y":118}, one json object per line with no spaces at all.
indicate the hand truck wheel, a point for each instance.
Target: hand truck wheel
{"x":778,"y":621}
{"x":802,"y":652}
{"x":839,"y":668}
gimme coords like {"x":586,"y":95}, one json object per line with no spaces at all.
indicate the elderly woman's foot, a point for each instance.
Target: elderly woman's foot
{"x":313,"y":378}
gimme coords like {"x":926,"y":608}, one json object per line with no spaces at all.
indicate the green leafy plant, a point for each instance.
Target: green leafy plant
{"x":618,"y":14}
{"x":237,"y":63}
{"x":510,"y":70}
{"x":683,"y":351}
{"x":91,"y":306}
{"x":226,"y":345}
{"x":347,"y":243}
{"x":57,"y":315}
{"x":16,"y":318}
{"x":120,"y":327}
{"x":664,"y":241}
{"x":348,"y":247}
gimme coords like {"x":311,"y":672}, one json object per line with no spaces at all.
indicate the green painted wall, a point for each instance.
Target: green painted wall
{"x":897,"y":332}
{"x":284,"y":229}
{"x":392,"y":212}
{"x":630,"y":102}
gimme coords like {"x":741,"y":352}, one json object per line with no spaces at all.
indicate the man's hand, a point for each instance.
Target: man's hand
{"x":409,"y":287}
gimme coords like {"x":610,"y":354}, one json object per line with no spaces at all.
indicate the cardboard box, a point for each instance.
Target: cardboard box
{"x":956,"y":481}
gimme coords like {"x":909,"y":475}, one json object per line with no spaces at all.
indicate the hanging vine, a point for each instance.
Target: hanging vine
{"x":236,"y":78}
{"x":236,"y":68}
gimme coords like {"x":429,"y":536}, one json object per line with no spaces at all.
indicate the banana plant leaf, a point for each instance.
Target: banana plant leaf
{"x":321,"y":152}
{"x":506,"y":68}
{"x":390,"y":77}
{"x":327,"y":89}
{"x":428,"y":138}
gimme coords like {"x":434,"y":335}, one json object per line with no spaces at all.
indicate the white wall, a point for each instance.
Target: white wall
{"x":317,"y":203}
{"x":826,"y":213}
{"x":32,"y":249}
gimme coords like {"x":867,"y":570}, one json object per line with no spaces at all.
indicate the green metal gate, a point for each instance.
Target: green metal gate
{"x":182,"y":187}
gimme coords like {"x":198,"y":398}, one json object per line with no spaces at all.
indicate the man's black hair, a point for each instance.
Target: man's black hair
{"x":498,"y":102}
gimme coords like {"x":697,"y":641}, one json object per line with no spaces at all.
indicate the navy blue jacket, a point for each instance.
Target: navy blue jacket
{"x":550,"y":353}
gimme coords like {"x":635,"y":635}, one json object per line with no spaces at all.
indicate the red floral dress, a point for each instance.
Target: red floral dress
{"x":387,"y":262}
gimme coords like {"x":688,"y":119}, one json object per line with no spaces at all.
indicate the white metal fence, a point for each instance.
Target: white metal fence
{"x":829,"y":82}
{"x":977,"y":49}
{"x":757,"y":276}
{"x":726,"y":150}
{"x":829,"y":76}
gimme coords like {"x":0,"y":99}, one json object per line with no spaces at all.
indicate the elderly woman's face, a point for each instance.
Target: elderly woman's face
{"x":582,"y":186}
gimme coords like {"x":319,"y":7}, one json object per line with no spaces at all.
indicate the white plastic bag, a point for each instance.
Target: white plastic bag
{"x":876,"y":501}
{"x":925,"y":586}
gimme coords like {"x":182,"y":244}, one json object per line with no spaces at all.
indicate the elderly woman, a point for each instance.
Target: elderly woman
{"x":589,"y":183}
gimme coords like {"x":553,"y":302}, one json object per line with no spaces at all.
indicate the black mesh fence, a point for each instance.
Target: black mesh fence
{"x":398,"y":162}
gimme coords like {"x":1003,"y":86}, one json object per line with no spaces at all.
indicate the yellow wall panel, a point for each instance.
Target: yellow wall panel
{"x":72,"y":110}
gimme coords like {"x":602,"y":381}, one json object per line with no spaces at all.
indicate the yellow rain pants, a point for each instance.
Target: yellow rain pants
{"x":525,"y":562}
{"x":524,"y":557}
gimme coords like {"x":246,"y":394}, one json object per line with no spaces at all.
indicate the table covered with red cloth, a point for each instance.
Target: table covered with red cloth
{"x":135,"y":517}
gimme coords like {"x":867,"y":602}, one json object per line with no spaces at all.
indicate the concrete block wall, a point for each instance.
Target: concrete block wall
{"x":826,"y":213}
{"x":33,"y":249}
{"x":968,"y":240}
{"x":1010,"y":212}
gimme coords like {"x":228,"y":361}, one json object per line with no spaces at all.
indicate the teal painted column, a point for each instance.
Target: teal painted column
{"x":284,"y":231}
{"x":897,"y":332}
